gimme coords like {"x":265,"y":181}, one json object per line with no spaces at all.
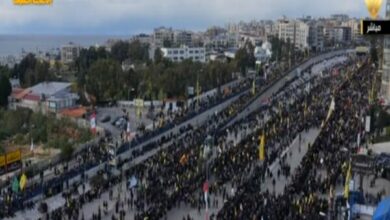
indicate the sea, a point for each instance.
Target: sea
{"x":13,"y":45}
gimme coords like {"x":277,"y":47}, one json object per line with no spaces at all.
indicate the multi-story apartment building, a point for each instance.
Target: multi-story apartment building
{"x":69,"y":52}
{"x":162,"y":36}
{"x":223,"y":41}
{"x":316,"y":36}
{"x":342,"y":34}
{"x":295,"y":30}
{"x":354,"y":24}
{"x":182,"y":37}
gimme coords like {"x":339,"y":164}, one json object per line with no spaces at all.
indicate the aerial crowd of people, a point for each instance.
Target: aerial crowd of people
{"x":228,"y":161}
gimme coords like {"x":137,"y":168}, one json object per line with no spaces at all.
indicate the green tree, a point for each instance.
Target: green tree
{"x":245,"y":57}
{"x":120,"y":51}
{"x":66,"y":149}
{"x":138,"y":51}
{"x":31,"y":71}
{"x":25,"y":70}
{"x":5,"y":89}
{"x":277,"y":46}
{"x":158,"y":56}
{"x":102,"y":80}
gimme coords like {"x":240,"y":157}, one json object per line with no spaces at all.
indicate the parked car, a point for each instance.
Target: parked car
{"x":105,"y":119}
{"x":120,"y":121}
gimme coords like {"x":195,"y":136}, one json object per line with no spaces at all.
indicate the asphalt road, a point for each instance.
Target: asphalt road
{"x":268,"y":93}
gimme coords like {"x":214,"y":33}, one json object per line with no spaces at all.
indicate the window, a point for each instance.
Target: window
{"x":181,"y":52}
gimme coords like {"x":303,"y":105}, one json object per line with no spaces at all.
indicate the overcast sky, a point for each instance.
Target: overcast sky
{"x":120,"y":17}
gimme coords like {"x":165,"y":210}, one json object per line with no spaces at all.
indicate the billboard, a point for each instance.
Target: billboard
{"x":13,"y":157}
{"x":10,"y":161}
{"x":2,"y":160}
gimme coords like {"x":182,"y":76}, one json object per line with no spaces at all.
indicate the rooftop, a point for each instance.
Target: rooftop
{"x":49,"y":88}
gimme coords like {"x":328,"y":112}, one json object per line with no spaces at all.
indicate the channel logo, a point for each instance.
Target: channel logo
{"x":33,"y":2}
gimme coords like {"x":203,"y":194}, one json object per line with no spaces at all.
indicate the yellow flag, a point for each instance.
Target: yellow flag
{"x":347,"y":180}
{"x":23,"y":182}
{"x":262,"y":147}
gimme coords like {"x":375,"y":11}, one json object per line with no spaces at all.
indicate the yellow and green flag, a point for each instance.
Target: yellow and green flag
{"x":347,"y":180}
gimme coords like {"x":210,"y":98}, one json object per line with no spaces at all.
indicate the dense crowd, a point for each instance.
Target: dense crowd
{"x":175,"y":175}
{"x":301,"y":199}
{"x":191,"y":138}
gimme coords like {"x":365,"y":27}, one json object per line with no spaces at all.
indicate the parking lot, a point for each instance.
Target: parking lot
{"x":112,"y":119}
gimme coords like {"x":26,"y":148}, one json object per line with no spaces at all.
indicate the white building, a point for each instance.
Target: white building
{"x":182,"y":53}
{"x":295,"y":30}
{"x":69,"y":52}
{"x":263,"y":53}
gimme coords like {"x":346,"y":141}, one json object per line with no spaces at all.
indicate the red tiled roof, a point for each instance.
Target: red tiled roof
{"x":22,"y":94}
{"x":17,"y":92}
{"x":77,"y":112}
{"x":32,"y":97}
